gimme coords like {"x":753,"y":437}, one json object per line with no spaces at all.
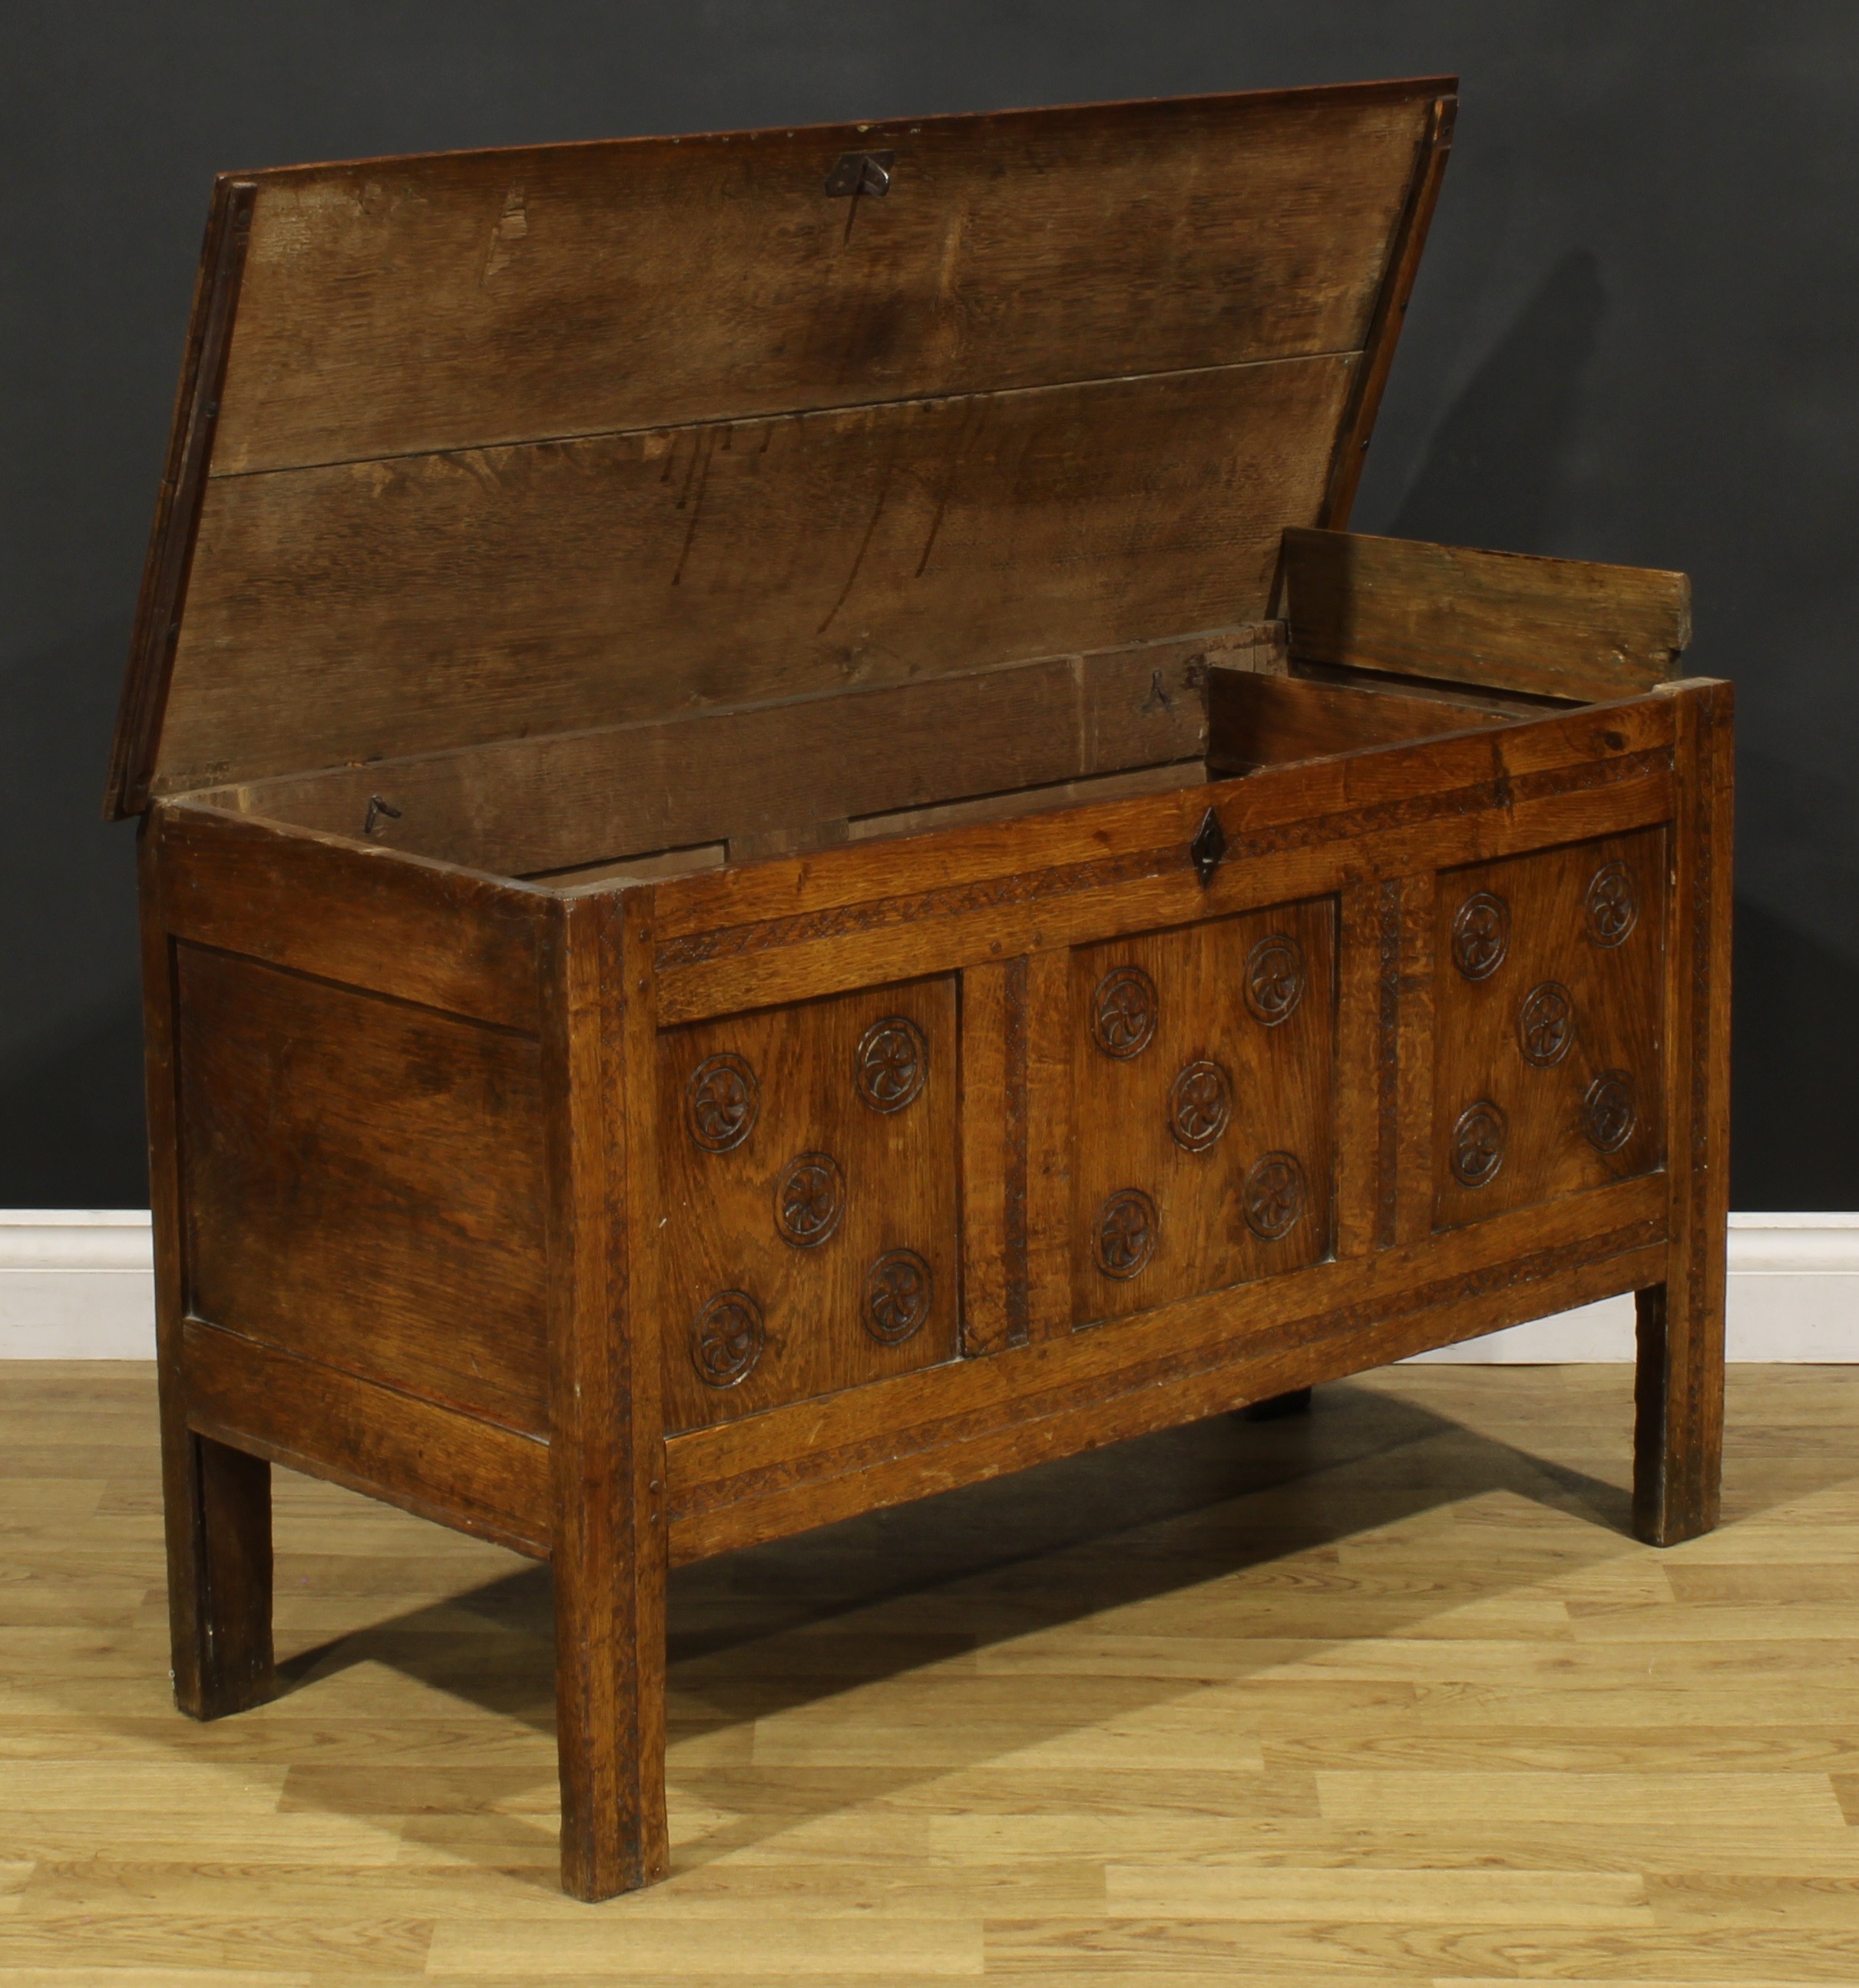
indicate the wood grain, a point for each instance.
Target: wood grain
{"x":531,"y":804}
{"x":606,"y":1449}
{"x":465,"y":299}
{"x":894,"y":1170}
{"x":1608,"y":995}
{"x":170,"y":561}
{"x":395,"y":925}
{"x":1679,"y":1440}
{"x":760,"y":1478}
{"x":363,"y":1184}
{"x":1381,"y":792}
{"x":993,"y":1119}
{"x":801,"y":955}
{"x":1275,"y":1084}
{"x":1503,"y":620}
{"x":216,"y":1503}
{"x":1256,"y":720}
{"x":444,"y":1466}
{"x":386,"y":608}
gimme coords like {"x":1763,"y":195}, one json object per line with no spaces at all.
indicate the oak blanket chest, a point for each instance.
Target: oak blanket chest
{"x":788,"y":860}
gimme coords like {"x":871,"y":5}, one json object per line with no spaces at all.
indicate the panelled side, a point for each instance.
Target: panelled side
{"x":358,"y":1228}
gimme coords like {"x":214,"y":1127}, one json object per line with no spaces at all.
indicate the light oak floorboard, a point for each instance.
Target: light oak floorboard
{"x":1386,"y":1694}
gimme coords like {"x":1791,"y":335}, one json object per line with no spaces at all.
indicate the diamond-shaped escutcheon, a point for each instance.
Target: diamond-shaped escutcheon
{"x":1208,"y":846}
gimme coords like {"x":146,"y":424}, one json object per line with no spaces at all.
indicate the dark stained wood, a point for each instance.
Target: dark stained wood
{"x":1562,"y":1012}
{"x":383,"y":609}
{"x":879,"y":1179}
{"x":461,"y":300}
{"x":170,"y":551}
{"x":607,"y":1432}
{"x":1506,"y":621}
{"x":539,"y":804}
{"x":1678,"y":1436}
{"x":1243,"y":1014}
{"x":355,"y":1169}
{"x":406,"y":1451}
{"x":418,"y":931}
{"x":1263,"y":721}
{"x":216,"y":1502}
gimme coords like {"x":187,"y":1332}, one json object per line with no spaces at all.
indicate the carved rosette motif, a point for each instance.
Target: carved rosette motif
{"x":1274,"y":1195}
{"x":1124,"y":1013}
{"x":1477,"y":1144}
{"x":1480,"y":935}
{"x":1546,"y":1024}
{"x":1612,"y":904}
{"x":891,"y":1062}
{"x":727,"y":1338}
{"x":809,"y":1199}
{"x":1200,"y":1106}
{"x":1125,"y":1236}
{"x":721,"y":1102}
{"x":1274,"y":982}
{"x":1609,"y":1111}
{"x":897,"y":1294}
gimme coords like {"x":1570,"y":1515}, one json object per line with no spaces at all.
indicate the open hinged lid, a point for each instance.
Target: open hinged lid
{"x":493,"y":445}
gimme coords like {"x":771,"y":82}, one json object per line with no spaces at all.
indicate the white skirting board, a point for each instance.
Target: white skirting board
{"x":75,"y":1284}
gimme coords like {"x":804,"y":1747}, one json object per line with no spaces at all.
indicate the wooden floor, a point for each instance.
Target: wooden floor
{"x":1383,"y":1696}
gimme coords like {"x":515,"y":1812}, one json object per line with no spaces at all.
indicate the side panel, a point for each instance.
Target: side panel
{"x":363,"y":1184}
{"x":351,"y":1229}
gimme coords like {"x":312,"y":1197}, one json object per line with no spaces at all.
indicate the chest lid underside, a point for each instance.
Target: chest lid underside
{"x":484,"y":446}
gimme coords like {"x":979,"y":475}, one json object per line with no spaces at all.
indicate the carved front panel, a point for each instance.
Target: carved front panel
{"x":1547,"y":1059}
{"x":810,"y":1167}
{"x":1201,"y":1063}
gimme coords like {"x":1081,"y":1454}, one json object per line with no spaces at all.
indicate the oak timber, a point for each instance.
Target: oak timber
{"x":1564,"y":628}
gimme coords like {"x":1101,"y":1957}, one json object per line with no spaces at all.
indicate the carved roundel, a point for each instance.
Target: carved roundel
{"x":1123,"y":1012}
{"x":1124,"y":1239}
{"x":897,"y":1294}
{"x":892,"y":1061}
{"x":1274,"y":978}
{"x":721,"y":1102}
{"x":1200,"y":1105}
{"x":1609,"y":1112}
{"x":810,"y":1198}
{"x":1480,"y":935}
{"x":1613,"y":904}
{"x":1546,"y":1024}
{"x":1274,"y":1195}
{"x":727,"y":1338}
{"x":1477,"y":1144}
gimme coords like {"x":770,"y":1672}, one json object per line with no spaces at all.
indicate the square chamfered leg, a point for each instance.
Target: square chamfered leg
{"x":1678,"y":1390}
{"x":218,"y":1503}
{"x":216,"y":1500}
{"x":606,"y":1421}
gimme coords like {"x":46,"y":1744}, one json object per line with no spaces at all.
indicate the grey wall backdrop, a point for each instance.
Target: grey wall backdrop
{"x":1633,"y":340}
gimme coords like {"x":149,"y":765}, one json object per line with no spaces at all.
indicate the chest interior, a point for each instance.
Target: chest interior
{"x":599,"y":511}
